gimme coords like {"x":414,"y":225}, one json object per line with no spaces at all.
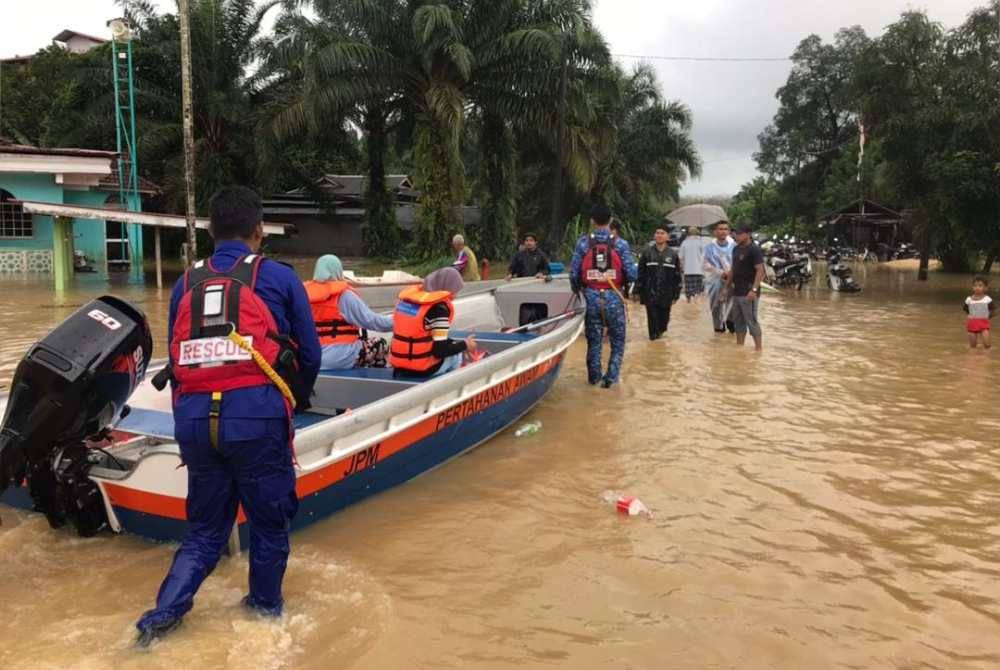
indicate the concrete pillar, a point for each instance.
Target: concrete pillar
{"x":62,"y":252}
{"x":159,"y":265}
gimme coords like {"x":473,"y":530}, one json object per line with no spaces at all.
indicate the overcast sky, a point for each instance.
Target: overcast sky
{"x":731,"y":102}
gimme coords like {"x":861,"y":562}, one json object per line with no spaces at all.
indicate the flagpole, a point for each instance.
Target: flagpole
{"x":861,"y":183}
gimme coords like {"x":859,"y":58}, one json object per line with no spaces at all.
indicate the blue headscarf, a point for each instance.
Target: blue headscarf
{"x":328,"y":268}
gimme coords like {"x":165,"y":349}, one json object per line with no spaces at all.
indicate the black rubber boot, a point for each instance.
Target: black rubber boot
{"x":155,"y":632}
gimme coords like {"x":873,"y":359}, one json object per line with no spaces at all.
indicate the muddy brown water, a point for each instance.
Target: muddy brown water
{"x":832,"y":503}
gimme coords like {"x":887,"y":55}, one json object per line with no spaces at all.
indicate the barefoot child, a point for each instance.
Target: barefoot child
{"x":980,"y":309}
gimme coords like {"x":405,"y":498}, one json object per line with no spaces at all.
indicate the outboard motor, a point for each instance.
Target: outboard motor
{"x":71,"y":387}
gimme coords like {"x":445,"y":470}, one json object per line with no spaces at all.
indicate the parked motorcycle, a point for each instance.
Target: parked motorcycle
{"x":787,"y":264}
{"x":904,"y":251}
{"x":839,"y":276}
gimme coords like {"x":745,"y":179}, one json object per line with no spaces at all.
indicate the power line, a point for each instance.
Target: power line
{"x":710,"y":59}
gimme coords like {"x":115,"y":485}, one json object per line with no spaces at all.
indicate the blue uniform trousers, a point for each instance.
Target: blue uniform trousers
{"x":605,"y":310}
{"x":253,"y":466}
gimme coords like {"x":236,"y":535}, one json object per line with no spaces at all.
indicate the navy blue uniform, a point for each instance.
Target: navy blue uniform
{"x":605,"y":309}
{"x":252,"y":464}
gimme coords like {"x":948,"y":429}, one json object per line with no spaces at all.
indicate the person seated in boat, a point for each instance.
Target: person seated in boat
{"x":421,"y":324}
{"x":342,"y":318}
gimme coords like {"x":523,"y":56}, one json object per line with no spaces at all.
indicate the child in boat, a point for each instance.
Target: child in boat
{"x":342,"y":319}
{"x":980,"y":309}
{"x":422,"y":321}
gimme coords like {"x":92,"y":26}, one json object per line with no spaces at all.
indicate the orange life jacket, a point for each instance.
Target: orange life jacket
{"x":324,"y":299}
{"x":411,"y":341}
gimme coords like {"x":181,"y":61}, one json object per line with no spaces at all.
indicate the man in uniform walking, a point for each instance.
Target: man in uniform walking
{"x":602,"y":267}
{"x":232,"y":420}
{"x":659,"y":284}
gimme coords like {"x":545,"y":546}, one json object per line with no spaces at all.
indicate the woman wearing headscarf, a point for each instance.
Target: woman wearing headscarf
{"x":421,"y":324}
{"x":342,"y":318}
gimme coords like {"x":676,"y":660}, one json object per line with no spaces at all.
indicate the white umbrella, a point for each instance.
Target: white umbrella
{"x":698,"y":216}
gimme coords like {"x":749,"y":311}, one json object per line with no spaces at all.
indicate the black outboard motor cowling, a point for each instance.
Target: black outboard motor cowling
{"x":72,"y":386}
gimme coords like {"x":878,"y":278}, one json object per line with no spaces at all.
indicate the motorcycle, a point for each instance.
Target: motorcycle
{"x":839,"y":276}
{"x":788,"y":266}
{"x":905,"y":251}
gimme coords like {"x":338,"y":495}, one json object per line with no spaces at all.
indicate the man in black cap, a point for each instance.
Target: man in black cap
{"x":745,"y":281}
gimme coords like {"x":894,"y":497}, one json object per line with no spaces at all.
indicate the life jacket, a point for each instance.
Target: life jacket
{"x":411,"y":341}
{"x":203,"y":358}
{"x":324,"y":298}
{"x":602,"y":260}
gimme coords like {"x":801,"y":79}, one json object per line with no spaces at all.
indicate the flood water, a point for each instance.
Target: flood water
{"x":831,"y":503}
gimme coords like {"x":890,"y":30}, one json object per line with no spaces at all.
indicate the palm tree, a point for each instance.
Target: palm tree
{"x":651,"y":151}
{"x":386,"y":59}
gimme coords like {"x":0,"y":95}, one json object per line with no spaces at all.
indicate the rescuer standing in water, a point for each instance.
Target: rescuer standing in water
{"x":602,"y":267}
{"x":233,"y":410}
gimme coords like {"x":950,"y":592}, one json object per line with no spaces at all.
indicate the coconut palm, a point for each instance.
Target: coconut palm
{"x":382,"y":60}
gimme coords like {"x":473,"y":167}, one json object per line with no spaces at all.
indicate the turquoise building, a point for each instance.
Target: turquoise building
{"x":74,"y":177}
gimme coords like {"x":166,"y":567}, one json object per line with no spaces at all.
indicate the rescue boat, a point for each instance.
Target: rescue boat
{"x":367,"y":430}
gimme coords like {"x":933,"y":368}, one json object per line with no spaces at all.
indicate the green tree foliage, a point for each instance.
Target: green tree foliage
{"x":515,"y":105}
{"x":759,"y":204}
{"x":649,"y":151}
{"x":32,"y":90}
{"x":929,"y":98}
{"x":816,"y":119}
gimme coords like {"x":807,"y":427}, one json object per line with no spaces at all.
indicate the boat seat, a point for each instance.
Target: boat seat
{"x":493,"y":336}
{"x":359,"y":373}
{"x":157,"y":423}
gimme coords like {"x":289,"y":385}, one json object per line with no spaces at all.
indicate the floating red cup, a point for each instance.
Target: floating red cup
{"x":630,"y":506}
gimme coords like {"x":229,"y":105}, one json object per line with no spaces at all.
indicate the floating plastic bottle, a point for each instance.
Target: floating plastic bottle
{"x":528,"y":429}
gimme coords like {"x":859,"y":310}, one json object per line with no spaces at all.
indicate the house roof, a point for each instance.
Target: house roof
{"x":110,"y":183}
{"x":863,"y":211}
{"x":66,"y":35}
{"x":354,"y":184}
{"x":16,"y":60}
{"x":7,"y":147}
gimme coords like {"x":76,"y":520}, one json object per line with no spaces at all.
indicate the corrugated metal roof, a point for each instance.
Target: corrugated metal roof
{"x":7,"y":147}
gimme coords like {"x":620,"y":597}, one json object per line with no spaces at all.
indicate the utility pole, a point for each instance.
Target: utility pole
{"x":186,"y":103}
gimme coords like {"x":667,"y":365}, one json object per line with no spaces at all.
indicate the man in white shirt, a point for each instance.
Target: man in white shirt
{"x":692,"y":253}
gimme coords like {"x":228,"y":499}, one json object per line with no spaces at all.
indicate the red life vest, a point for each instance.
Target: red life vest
{"x":324,"y":298}
{"x":602,"y":260}
{"x":412,"y":343}
{"x":203,"y":358}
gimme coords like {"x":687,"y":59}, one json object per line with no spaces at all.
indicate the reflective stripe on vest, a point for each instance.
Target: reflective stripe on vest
{"x":324,"y":299}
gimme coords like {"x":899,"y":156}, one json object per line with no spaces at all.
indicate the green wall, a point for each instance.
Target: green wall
{"x":88,"y":234}
{"x":40,"y":187}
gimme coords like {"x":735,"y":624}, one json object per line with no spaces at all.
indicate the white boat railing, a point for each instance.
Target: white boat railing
{"x":340,"y":438}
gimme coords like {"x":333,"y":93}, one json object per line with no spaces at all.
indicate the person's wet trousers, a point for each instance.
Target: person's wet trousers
{"x":658,"y":319}
{"x":252,"y":466}
{"x":605,"y":312}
